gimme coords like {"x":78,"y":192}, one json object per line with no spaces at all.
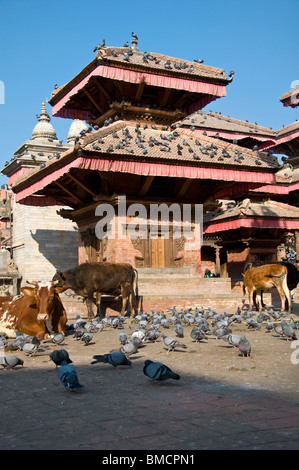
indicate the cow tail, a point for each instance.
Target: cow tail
{"x":135,"y":294}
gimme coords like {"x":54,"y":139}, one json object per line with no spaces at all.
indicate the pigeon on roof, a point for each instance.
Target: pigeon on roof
{"x":99,"y":46}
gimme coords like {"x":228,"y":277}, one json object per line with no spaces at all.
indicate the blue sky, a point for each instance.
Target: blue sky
{"x":44,"y":43}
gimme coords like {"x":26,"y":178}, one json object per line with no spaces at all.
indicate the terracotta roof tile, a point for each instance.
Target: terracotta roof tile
{"x":156,"y":61}
{"x":247,"y":208}
{"x":220,"y":122}
{"x":179,"y":145}
{"x":120,"y":139}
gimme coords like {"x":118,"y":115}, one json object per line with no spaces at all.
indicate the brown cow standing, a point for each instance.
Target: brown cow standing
{"x":266,"y":277}
{"x":90,"y":279}
{"x":37,"y":311}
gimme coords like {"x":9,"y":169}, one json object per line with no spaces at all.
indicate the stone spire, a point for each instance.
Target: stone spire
{"x":43,"y":129}
{"x":74,"y":131}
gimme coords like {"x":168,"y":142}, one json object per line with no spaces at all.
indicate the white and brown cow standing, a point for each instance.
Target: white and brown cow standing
{"x":37,"y":311}
{"x":266,"y":277}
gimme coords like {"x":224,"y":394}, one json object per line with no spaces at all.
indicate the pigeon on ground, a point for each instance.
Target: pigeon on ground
{"x":16,"y":344}
{"x":115,"y":359}
{"x":57,"y":338}
{"x":3,"y":342}
{"x":278,"y":329}
{"x":179,"y":330}
{"x":234,"y":340}
{"x":244,"y":347}
{"x":157,"y":371}
{"x":100,"y":326}
{"x":86,"y":337}
{"x":172,"y":343}
{"x":68,"y":377}
{"x":222,"y":331}
{"x":32,"y":346}
{"x":9,"y":361}
{"x":287,"y":330}
{"x":79,"y":321}
{"x":152,"y":335}
{"x":269,"y":326}
{"x":59,"y":355}
{"x":197,"y":334}
{"x":79,"y":332}
{"x":123,"y":337}
{"x":251,"y":323}
{"x":131,"y":347}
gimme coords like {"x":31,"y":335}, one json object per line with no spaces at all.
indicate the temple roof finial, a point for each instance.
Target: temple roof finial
{"x":134,"y":42}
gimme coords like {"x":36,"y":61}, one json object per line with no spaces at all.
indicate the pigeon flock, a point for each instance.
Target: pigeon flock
{"x":169,"y":329}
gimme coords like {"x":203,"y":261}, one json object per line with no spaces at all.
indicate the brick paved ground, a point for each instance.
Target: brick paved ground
{"x":221,"y":402}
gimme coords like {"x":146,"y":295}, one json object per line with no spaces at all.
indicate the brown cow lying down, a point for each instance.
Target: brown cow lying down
{"x":266,"y":277}
{"x":37,"y":311}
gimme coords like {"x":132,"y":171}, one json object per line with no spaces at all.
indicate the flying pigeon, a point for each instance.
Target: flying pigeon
{"x":68,"y":376}
{"x":157,"y":371}
{"x":115,"y":359}
{"x":59,"y":355}
{"x":9,"y":361}
{"x":244,"y":347}
{"x":172,"y":343}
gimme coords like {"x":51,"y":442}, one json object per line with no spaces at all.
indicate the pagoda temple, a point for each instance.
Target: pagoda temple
{"x":139,"y":147}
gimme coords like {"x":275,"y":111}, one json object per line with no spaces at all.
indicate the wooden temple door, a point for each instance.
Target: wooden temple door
{"x":157,"y":252}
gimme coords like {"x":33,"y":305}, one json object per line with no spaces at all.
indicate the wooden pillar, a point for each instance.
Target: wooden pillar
{"x":297,"y":247}
{"x":217,"y":260}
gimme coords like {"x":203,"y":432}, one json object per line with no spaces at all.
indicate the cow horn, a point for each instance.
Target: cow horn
{"x":34,"y":283}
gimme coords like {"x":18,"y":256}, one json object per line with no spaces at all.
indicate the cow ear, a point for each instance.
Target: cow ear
{"x":243,"y":274}
{"x":27,"y":290}
{"x":61,"y":289}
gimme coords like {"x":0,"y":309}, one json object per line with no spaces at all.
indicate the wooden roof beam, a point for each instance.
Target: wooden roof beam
{"x":182,"y":191}
{"x":165,"y":97}
{"x":139,"y":91}
{"x":102,"y":89}
{"x":95,"y":104}
{"x":179,"y":102}
{"x":70,"y":193}
{"x":88,"y":190}
{"x":145,"y":186}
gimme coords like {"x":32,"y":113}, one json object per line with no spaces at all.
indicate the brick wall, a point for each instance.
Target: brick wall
{"x":43,"y":242}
